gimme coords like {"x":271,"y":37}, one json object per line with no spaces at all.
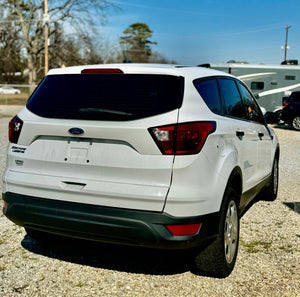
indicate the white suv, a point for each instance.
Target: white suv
{"x":149,"y":155}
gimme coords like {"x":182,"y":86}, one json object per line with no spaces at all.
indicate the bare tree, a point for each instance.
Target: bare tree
{"x":29,"y":16}
{"x":10,"y":50}
{"x":159,"y":58}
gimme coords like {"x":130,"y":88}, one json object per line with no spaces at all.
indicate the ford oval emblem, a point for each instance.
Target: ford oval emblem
{"x":76,"y":131}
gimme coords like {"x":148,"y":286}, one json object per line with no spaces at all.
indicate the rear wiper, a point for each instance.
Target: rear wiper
{"x":95,"y":111}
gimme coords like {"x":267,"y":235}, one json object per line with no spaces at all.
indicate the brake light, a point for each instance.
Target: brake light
{"x":14,"y":129}
{"x":182,"y":139}
{"x":101,"y":71}
{"x":182,"y":230}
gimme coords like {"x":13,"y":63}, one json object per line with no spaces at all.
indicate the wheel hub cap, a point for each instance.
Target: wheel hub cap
{"x":296,"y":123}
{"x":231,"y":232}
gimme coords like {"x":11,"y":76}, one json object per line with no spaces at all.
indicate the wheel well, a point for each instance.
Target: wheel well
{"x":277,"y":153}
{"x":235,"y":181}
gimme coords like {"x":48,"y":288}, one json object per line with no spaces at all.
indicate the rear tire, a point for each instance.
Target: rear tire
{"x":270,"y":194}
{"x":219,"y":258}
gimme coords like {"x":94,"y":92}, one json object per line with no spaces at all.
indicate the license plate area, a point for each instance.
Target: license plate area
{"x":78,"y":152}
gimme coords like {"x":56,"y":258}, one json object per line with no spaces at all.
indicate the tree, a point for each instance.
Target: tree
{"x":136,"y":43}
{"x":10,"y":51}
{"x":29,"y":17}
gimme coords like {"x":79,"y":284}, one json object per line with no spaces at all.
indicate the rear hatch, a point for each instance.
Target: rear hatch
{"x":85,"y":139}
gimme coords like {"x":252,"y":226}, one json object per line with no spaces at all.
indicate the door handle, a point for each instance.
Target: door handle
{"x":260,"y":134}
{"x":240,"y":133}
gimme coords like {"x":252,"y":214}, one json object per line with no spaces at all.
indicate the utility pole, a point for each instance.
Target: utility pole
{"x":286,"y":40}
{"x":46,"y":19}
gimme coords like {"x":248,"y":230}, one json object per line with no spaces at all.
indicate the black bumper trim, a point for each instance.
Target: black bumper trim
{"x":106,"y":224}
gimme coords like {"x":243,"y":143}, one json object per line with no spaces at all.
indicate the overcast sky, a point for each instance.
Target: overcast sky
{"x":214,"y":31}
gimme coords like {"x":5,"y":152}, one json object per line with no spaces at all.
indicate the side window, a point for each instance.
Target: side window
{"x":208,"y":89}
{"x":254,"y":114}
{"x":231,"y":100}
{"x":295,"y":96}
{"x":257,"y":85}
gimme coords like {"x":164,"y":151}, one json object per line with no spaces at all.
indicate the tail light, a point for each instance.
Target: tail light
{"x":182,"y":139}
{"x":14,"y":131}
{"x":285,"y":103}
{"x":182,"y":230}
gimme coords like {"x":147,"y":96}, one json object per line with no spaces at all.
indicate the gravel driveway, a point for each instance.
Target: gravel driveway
{"x":268,"y":262}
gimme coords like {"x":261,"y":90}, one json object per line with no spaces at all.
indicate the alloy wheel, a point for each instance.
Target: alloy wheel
{"x":231,"y":231}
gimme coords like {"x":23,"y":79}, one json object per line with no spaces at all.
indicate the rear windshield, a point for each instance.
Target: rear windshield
{"x":110,"y":97}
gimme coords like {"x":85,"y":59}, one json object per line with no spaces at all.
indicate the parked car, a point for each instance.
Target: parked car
{"x":9,"y":90}
{"x":291,"y":110}
{"x":156,"y":156}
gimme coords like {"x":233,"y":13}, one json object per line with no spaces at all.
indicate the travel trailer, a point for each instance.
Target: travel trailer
{"x":269,"y":83}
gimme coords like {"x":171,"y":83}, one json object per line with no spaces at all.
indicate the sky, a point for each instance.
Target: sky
{"x":194,"y":32}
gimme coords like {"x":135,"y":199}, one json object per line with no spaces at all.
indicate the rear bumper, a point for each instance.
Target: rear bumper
{"x":113,"y":225}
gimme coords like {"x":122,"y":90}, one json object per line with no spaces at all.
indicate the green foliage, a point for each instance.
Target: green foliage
{"x":136,"y":43}
{"x":255,"y":246}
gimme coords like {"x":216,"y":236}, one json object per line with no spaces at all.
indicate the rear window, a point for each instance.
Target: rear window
{"x":110,"y":97}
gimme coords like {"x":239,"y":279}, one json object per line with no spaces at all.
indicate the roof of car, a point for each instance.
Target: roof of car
{"x":131,"y":68}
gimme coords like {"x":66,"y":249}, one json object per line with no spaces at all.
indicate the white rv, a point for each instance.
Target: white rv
{"x":269,"y":83}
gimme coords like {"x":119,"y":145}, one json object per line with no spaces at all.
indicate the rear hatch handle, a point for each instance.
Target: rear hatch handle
{"x":68,"y":185}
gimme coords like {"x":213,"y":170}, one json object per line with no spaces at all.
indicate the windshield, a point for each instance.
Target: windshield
{"x":112,"y":97}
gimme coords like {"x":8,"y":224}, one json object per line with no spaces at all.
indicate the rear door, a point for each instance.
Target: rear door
{"x":261,"y":132}
{"x":86,"y":139}
{"x":244,"y":138}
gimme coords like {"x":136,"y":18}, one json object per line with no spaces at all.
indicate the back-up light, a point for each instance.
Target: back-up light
{"x":101,"y":71}
{"x":182,"y":139}
{"x":14,"y":129}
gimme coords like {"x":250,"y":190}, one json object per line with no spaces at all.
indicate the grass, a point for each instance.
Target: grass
{"x":288,"y":249}
{"x":18,"y":99}
{"x":256,"y":245}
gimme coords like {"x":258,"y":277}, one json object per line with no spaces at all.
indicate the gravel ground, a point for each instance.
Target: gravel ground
{"x":268,"y":262}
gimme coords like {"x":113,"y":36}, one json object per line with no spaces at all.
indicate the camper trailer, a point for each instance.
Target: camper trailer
{"x":269,"y":83}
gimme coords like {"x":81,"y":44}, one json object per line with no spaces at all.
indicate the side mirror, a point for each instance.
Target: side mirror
{"x":271,"y":117}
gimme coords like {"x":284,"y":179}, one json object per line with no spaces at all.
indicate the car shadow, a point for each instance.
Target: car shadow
{"x":295,"y":206}
{"x":112,"y":257}
{"x":283,"y":127}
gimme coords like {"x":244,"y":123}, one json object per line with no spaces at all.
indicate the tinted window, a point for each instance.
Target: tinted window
{"x":232,"y":104}
{"x":295,"y":96}
{"x":112,"y":97}
{"x":290,"y":77}
{"x":252,"y":107}
{"x":257,"y":85}
{"x":208,"y":89}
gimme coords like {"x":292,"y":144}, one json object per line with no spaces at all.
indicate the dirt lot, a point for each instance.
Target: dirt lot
{"x":268,"y":263}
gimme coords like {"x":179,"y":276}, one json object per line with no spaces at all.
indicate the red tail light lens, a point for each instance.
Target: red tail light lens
{"x":285,"y":104}
{"x":182,"y":139}
{"x":101,"y":70}
{"x":182,"y":230}
{"x":14,"y":129}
